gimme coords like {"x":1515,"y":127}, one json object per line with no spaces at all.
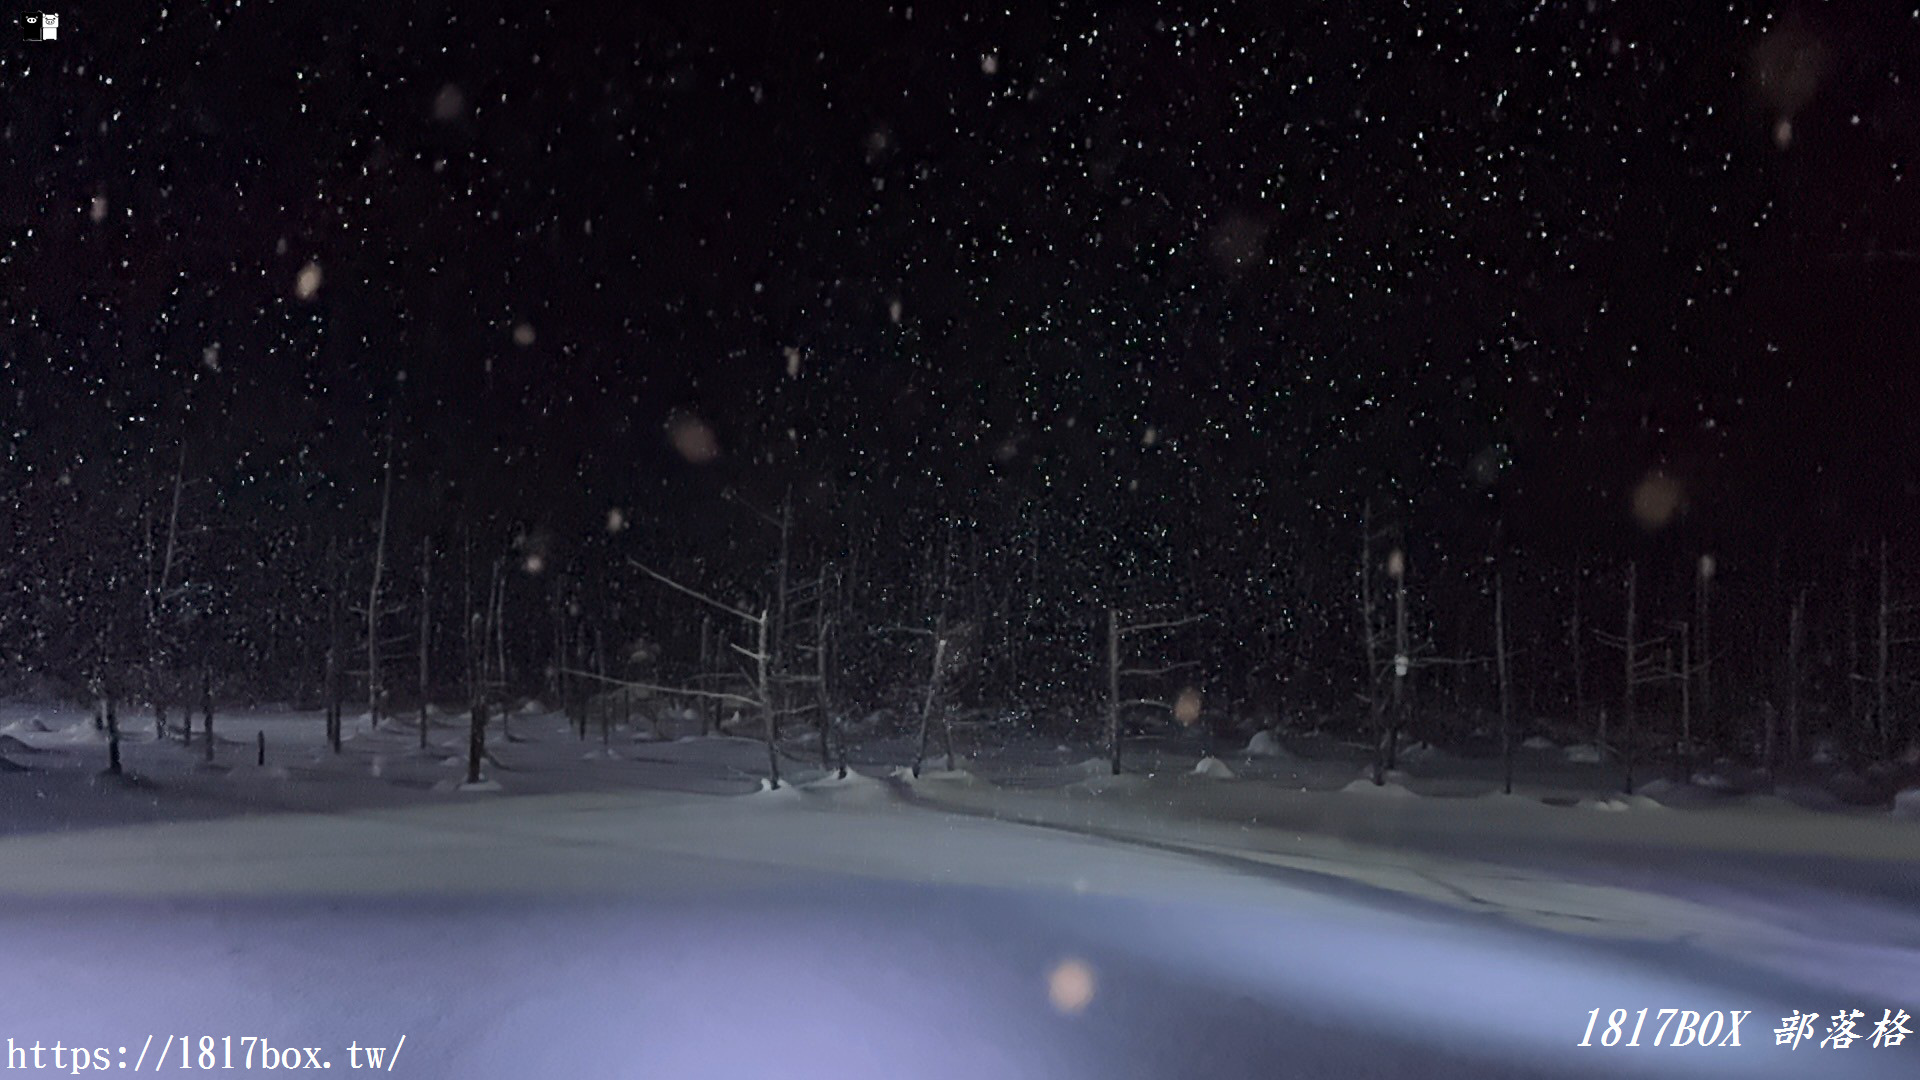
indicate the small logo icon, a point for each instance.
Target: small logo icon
{"x":41,"y":26}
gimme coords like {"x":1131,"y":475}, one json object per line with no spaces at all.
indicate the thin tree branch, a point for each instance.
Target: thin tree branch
{"x":708,"y":600}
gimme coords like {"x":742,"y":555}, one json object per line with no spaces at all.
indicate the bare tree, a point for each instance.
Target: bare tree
{"x":1118,"y":631}
{"x":374,"y":688}
{"x":493,"y":648}
{"x":932,"y":701}
{"x":1686,"y":674}
{"x":206,"y":710}
{"x":760,"y":678}
{"x":159,"y":592}
{"x":426,"y":630}
{"x":708,"y":708}
{"x":824,"y":623}
{"x":1703,"y":645}
{"x":476,"y":739}
{"x":1576,"y":645}
{"x":1500,"y":656}
{"x":1642,"y":663}
{"x":1883,"y":642}
{"x":1402,"y":652}
{"x":469,"y":648}
{"x":336,"y":587}
{"x":778,"y":662}
{"x":1370,"y":640}
{"x":113,"y":736}
{"x":1856,"y":710}
{"x":1629,"y":643}
{"x":1796,"y":643}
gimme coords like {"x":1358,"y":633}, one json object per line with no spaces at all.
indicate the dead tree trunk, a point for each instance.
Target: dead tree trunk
{"x":600,"y":672}
{"x":1796,"y":640}
{"x":468,"y":650}
{"x":1632,"y":673}
{"x":1577,"y":643}
{"x":206,"y":711}
{"x":1703,"y":621}
{"x":1856,"y":705}
{"x":1402,"y":656}
{"x":336,"y":586}
{"x":113,"y":739}
{"x":1376,"y":710}
{"x":931,"y":701}
{"x":1882,"y":719}
{"x":760,"y":659}
{"x":493,"y":641}
{"x":1113,"y":690}
{"x":823,"y":635}
{"x":777,"y":634}
{"x":496,"y":625}
{"x":709,"y":707}
{"x":1500,"y":659}
{"x":374,"y":688}
{"x":556,"y":684}
{"x":426,"y":630}
{"x":1683,"y":750}
{"x":476,"y":740}
{"x":158,"y":590}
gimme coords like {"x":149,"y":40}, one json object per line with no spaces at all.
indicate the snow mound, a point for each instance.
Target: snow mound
{"x":786,"y":792}
{"x":11,"y":745}
{"x":951,"y":776}
{"x":1537,"y":742}
{"x":608,"y":754}
{"x":833,"y":781}
{"x":1712,"y":781}
{"x":1582,"y":754}
{"x":852,"y":787}
{"x":1906,"y":805}
{"x":1615,"y":804}
{"x":1265,"y":744}
{"x":29,"y":727}
{"x":1423,"y":751}
{"x":1391,"y":789}
{"x":1094,"y":766}
{"x":1213,"y":769}
{"x":457,"y":784}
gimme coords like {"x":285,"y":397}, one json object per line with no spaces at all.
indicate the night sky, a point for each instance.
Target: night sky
{"x":1207,"y":277}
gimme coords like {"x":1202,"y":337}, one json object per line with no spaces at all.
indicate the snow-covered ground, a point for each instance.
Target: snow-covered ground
{"x":640,"y":907}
